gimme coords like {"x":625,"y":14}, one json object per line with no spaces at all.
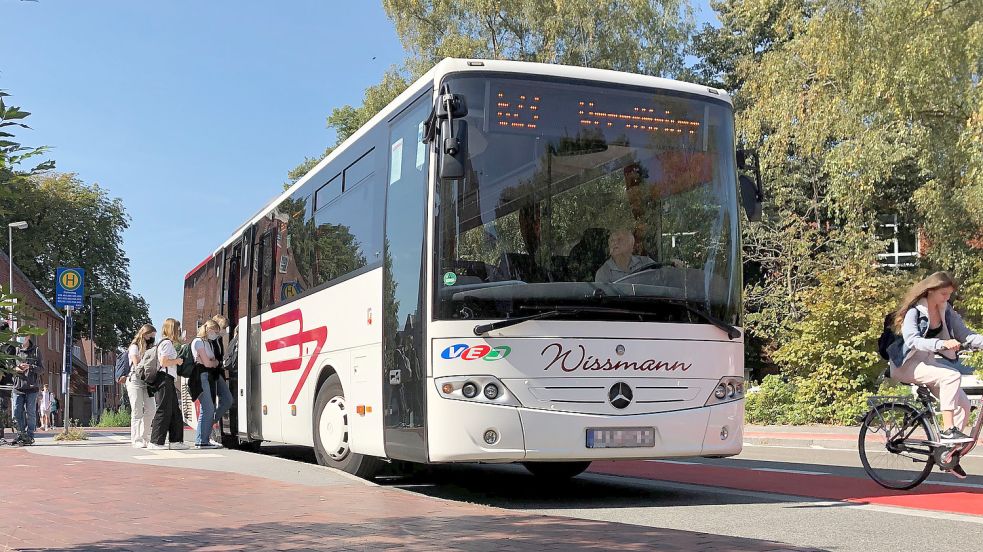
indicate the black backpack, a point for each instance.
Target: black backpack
{"x":887,"y":337}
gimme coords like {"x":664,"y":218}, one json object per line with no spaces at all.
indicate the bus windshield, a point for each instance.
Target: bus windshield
{"x":592,"y":196}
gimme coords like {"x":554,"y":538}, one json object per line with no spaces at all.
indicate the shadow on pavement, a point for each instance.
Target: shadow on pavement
{"x":469,"y":533}
{"x":511,"y":486}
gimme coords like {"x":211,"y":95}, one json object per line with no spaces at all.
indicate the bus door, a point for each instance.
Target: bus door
{"x":404,"y":377}
{"x":230,"y":309}
{"x":266,"y":405}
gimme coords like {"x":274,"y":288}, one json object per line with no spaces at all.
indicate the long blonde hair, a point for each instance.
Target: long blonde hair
{"x":918,"y":291}
{"x":140,"y":339}
{"x":172,"y":330}
{"x":208,"y":325}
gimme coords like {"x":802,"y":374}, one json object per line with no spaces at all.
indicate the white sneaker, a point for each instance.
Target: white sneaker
{"x":215,"y":443}
{"x":178,"y":446}
{"x":155,"y":446}
{"x":138,"y":444}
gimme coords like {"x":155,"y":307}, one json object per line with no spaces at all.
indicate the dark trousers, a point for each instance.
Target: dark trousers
{"x":167,"y":424}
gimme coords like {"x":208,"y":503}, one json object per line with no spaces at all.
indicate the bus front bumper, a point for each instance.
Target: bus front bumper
{"x":458,"y":432}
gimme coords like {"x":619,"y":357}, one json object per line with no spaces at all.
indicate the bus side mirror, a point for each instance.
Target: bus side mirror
{"x":749,"y":198}
{"x":453,"y":148}
{"x":752,"y":191}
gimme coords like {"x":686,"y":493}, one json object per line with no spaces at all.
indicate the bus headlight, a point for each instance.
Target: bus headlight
{"x":728,"y":389}
{"x":484,"y":389}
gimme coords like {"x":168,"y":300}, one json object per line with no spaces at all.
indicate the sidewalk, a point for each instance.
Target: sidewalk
{"x":816,"y":436}
{"x":103,"y":495}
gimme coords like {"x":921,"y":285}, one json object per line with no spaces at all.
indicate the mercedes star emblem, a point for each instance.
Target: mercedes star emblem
{"x":620,"y":395}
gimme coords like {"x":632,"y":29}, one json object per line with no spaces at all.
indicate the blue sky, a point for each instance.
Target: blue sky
{"x":191,"y":112}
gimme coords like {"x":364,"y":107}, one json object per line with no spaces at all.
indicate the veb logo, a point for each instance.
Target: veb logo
{"x":484,"y":352}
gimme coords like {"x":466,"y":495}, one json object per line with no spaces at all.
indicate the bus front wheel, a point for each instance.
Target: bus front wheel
{"x":556,"y":471}
{"x":332,"y":433}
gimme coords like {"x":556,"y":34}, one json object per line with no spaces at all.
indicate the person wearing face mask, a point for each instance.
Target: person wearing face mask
{"x":221,"y":376}
{"x":142,"y":402}
{"x":207,"y":368}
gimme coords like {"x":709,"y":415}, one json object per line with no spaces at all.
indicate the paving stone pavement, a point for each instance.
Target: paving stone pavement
{"x":52,"y":502}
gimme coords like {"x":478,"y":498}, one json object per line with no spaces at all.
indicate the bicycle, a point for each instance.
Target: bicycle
{"x":899,"y":443}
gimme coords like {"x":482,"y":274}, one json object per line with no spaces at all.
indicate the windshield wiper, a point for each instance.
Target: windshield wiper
{"x":732,"y":332}
{"x":481,"y":329}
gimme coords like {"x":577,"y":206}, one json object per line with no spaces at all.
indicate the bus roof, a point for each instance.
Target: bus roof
{"x":454,"y":65}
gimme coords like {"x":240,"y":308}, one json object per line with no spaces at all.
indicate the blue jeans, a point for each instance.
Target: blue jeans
{"x":25,"y":413}
{"x":209,"y":415}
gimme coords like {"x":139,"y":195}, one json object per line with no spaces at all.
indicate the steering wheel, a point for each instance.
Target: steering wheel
{"x":647,"y":267}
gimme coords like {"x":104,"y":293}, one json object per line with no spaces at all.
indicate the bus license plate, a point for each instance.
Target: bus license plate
{"x":620,"y":437}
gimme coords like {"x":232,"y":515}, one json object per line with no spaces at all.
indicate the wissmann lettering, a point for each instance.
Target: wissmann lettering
{"x":572,"y":360}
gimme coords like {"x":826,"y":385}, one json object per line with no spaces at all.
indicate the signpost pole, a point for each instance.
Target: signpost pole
{"x":67,"y":368}
{"x":69,"y":291}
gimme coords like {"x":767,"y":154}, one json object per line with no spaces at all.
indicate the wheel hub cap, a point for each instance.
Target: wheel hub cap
{"x":333,"y":429}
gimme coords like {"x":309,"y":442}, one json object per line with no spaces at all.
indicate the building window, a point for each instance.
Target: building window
{"x":902,"y":250}
{"x":50,"y":332}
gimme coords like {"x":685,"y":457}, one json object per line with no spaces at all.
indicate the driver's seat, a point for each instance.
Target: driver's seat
{"x":588,"y":255}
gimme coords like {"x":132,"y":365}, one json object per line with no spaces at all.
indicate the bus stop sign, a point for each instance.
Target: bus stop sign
{"x":69,"y":287}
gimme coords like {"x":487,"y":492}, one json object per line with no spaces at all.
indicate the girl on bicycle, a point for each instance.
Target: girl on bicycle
{"x":933,"y":333}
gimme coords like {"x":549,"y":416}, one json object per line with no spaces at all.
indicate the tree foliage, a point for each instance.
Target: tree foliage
{"x":640,"y":36}
{"x":13,"y":156}
{"x":859,"y":108}
{"x":74,"y":224}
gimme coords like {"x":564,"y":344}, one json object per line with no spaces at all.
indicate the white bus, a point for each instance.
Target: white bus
{"x":511,"y":262}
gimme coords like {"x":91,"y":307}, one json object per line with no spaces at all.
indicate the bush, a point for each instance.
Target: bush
{"x":772,"y":403}
{"x":830,"y":363}
{"x":112,"y":418}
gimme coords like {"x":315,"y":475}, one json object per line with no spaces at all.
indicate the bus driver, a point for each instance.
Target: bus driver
{"x":621,"y":245}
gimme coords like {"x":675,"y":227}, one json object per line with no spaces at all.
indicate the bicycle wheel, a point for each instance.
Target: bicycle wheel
{"x":893,"y":446}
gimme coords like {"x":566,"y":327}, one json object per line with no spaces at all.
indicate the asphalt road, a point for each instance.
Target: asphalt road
{"x":801,"y":496}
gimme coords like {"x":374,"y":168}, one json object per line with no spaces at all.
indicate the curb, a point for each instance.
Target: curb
{"x":833,"y":444}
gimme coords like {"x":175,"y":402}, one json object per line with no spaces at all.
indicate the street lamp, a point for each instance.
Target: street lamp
{"x":20,"y":225}
{"x":92,"y":347}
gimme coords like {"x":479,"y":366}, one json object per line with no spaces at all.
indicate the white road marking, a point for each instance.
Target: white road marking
{"x":790,"y":447}
{"x":680,"y":462}
{"x":22,"y":466}
{"x":777,"y":470}
{"x":955,"y":484}
{"x":176,"y":455}
{"x":120,"y":438}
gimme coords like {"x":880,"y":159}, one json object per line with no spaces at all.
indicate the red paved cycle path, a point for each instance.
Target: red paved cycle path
{"x":928,"y":496}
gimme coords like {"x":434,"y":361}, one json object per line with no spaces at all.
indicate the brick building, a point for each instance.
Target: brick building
{"x":202,"y":294}
{"x":52,"y":344}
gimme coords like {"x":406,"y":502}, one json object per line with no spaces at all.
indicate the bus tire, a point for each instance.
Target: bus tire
{"x":556,"y":471}
{"x":331,"y":433}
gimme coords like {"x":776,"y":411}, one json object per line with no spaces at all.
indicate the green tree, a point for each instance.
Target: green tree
{"x":13,"y":156}
{"x":859,"y":108}
{"x":74,"y":224}
{"x":639,"y":36}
